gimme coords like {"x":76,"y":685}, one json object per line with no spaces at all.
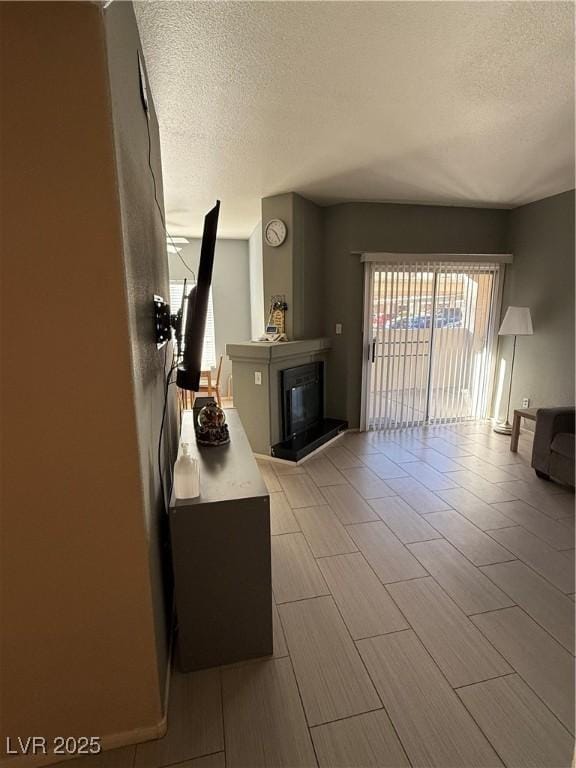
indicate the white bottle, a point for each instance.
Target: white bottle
{"x":186,"y":475}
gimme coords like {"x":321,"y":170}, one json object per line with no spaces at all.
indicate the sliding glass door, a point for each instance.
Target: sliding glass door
{"x":430,"y":330}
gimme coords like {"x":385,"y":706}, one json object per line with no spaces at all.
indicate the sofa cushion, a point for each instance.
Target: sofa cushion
{"x":563,"y":443}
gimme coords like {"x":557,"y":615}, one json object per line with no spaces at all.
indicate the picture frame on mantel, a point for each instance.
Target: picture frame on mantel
{"x":276,"y":325}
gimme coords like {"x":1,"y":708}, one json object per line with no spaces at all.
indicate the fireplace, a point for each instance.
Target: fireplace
{"x":304,"y":427}
{"x":302,"y":398}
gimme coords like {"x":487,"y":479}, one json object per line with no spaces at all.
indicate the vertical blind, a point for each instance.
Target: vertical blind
{"x":209,"y":347}
{"x":432,"y":339}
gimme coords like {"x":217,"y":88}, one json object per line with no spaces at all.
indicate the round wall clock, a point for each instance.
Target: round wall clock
{"x":275,"y":232}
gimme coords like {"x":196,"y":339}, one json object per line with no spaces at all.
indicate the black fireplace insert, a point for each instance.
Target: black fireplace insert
{"x":304,"y":427}
{"x":302,"y":398}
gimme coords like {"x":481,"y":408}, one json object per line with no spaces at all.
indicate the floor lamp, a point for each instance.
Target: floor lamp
{"x":517,"y":322}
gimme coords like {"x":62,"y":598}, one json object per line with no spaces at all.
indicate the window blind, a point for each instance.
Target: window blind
{"x":431,"y":331}
{"x":209,"y":346}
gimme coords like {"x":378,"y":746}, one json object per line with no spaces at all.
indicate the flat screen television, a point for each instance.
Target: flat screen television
{"x":194,"y":322}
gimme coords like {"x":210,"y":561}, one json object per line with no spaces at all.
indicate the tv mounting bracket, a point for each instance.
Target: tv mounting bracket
{"x":164,"y":321}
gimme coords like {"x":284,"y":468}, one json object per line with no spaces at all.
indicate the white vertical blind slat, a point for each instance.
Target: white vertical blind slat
{"x":469,"y":341}
{"x":398,"y":359}
{"x":379,"y":350}
{"x":449,"y":347}
{"x":483,"y":361}
{"x":458,"y":400}
{"x":404,"y":343}
{"x":452,"y":363}
{"x":484,"y":379}
{"x":384,"y":366}
{"x":407,"y":380}
{"x":386,"y":349}
{"x":392,"y":349}
{"x":425,"y":343}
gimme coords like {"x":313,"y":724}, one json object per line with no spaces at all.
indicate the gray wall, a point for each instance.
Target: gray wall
{"x":541,"y":236}
{"x":385,"y":227}
{"x":146,"y":269}
{"x":257,"y":308}
{"x":295,"y":268}
{"x":230,"y":292}
{"x":308,"y":270}
{"x":322,"y":276}
{"x":278,"y":262}
{"x":259,"y":405}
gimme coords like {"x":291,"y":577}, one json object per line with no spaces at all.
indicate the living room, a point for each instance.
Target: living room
{"x":378,"y":568}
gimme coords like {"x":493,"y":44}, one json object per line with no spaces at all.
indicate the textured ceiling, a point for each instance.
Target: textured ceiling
{"x":466,"y":103}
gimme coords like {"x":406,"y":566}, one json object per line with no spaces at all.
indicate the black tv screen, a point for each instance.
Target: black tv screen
{"x":188,"y":374}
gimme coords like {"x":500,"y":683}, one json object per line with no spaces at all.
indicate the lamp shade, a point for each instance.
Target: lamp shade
{"x":517,"y":322}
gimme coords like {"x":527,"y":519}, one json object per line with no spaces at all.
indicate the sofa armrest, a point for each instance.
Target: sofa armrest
{"x":549,"y":421}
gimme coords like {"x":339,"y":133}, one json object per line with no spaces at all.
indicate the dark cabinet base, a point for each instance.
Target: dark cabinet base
{"x":223,"y":591}
{"x":221,"y":558}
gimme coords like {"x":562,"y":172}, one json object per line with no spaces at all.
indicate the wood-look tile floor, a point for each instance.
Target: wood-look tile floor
{"x":424,"y":616}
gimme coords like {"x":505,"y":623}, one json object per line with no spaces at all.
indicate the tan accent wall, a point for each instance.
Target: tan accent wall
{"x":79,"y":650}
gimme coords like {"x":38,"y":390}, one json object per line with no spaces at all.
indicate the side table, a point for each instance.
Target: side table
{"x":519,"y":414}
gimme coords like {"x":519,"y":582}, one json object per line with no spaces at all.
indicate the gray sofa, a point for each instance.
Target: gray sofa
{"x":553,"y":449}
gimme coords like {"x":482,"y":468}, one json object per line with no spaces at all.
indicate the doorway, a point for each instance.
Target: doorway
{"x":429,"y":331}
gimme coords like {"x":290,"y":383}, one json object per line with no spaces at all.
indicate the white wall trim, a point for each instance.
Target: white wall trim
{"x":385,"y":257}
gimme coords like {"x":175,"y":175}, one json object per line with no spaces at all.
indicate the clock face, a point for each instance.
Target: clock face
{"x":275,"y":232}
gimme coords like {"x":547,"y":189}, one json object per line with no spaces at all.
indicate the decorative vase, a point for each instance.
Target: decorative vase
{"x":212,"y":428}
